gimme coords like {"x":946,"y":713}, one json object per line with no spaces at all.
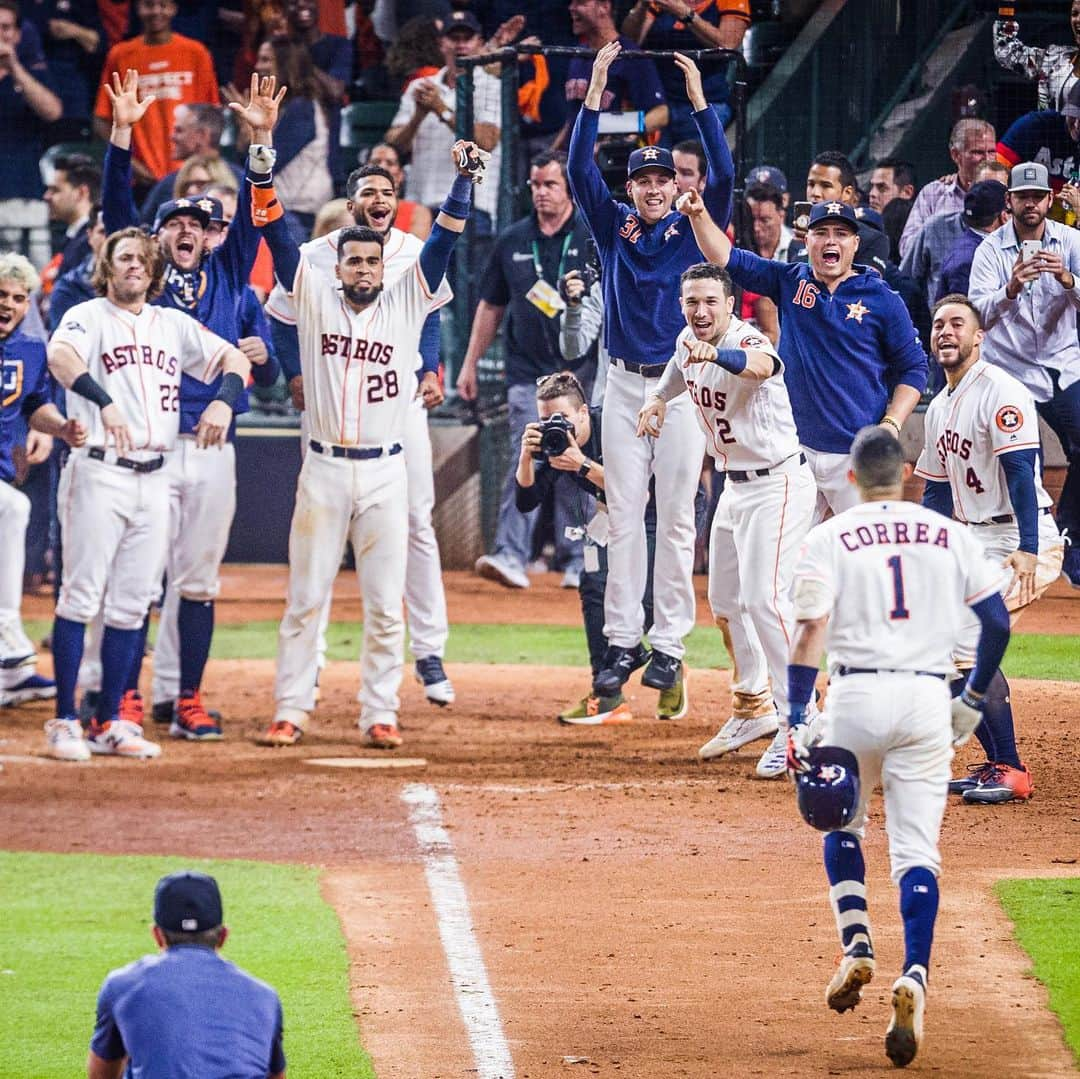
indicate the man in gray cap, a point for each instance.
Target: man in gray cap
{"x":187,"y":1011}
{"x":1024,"y":286}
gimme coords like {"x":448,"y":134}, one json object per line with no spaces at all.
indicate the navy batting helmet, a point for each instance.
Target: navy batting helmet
{"x":828,"y":791}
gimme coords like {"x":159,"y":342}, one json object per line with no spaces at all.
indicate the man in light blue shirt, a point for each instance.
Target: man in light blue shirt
{"x":1028,"y":308}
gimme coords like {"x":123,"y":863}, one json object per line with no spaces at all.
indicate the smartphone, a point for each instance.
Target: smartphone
{"x":1029,"y":249}
{"x":801,"y":215}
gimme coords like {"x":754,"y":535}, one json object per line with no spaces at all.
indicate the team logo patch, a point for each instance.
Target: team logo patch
{"x":832,"y":773}
{"x":856,"y":311}
{"x":1009,"y":418}
{"x":751,"y":342}
{"x":12,"y":384}
{"x":835,"y":208}
{"x":672,"y":230}
{"x":650,"y":154}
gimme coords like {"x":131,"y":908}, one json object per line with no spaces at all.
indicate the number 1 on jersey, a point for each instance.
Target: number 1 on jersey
{"x":899,"y":610}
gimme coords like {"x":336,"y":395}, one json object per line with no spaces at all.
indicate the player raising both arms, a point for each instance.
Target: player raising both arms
{"x":981,"y":466}
{"x":358,"y":348}
{"x":643,"y":250}
{"x":885,"y":587}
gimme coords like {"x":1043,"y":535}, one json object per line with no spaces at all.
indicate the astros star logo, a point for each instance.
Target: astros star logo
{"x":856,"y":311}
{"x":651,"y":154}
{"x":834,"y":208}
{"x":672,"y":230}
{"x":206,"y":205}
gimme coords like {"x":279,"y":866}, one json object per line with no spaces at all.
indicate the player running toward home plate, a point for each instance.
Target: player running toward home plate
{"x":885,"y":588}
{"x":981,"y":465}
{"x":358,"y":347}
{"x":120,"y":359}
{"x":735,"y":380}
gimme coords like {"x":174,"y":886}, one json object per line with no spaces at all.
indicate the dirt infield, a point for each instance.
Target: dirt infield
{"x":656,"y":917}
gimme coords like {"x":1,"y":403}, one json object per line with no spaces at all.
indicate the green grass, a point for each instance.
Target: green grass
{"x":1042,"y":656}
{"x":1046,"y":914}
{"x":70,"y":918}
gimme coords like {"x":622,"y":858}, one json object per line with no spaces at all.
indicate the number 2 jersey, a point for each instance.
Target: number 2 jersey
{"x":896,"y":580}
{"x":968,"y":428}
{"x":747,"y":422}
{"x":138,"y":359}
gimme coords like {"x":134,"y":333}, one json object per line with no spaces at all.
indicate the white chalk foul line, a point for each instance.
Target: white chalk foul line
{"x":467,"y":971}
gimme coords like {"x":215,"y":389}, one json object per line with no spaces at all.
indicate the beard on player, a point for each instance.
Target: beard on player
{"x":362,"y":295}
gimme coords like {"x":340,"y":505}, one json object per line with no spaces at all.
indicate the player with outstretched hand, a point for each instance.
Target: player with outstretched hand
{"x":358,"y":347}
{"x":120,"y":359}
{"x":851,"y":352}
{"x":643,"y":248}
{"x":980,"y":461}
{"x":885,"y":588}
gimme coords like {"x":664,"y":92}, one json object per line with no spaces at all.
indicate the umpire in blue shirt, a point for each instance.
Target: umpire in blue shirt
{"x":186,"y":1012}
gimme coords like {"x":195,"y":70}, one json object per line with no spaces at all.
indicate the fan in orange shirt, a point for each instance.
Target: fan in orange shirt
{"x":177,"y":70}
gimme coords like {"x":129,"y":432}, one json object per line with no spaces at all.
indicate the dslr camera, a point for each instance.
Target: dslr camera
{"x":556,"y":435}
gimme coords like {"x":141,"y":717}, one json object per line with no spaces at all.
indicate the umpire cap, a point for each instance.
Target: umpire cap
{"x":203,"y":207}
{"x":650,"y":157}
{"x":828,"y":790}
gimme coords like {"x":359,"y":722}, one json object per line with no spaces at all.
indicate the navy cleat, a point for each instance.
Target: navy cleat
{"x":619,"y":663}
{"x":662,"y":672}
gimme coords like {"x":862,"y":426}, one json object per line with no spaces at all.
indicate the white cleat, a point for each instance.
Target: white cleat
{"x":737,"y":732}
{"x":906,"y":1026}
{"x":122,"y":738}
{"x":437,"y":686}
{"x":496,"y":568}
{"x":773,"y":763}
{"x":64,"y":740}
{"x":845,"y":989}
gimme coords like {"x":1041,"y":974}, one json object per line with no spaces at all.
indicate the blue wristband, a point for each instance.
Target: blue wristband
{"x":801,"y":679}
{"x":459,"y":201}
{"x":731,"y":359}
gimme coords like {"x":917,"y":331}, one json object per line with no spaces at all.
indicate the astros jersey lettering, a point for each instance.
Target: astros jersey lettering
{"x":747,"y":423}
{"x":968,"y":428}
{"x":138,"y":359}
{"x":907,"y":576}
{"x":359,"y":368}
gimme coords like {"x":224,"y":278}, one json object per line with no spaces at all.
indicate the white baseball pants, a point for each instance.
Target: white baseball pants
{"x":14,"y":518}
{"x":834,"y":491}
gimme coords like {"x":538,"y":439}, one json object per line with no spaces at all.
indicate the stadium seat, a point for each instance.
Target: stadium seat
{"x":364,"y":123}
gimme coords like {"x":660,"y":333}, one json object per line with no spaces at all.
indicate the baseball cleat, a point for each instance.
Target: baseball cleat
{"x":64,"y":740}
{"x":738,"y":731}
{"x":662,"y":672}
{"x":121,"y":738}
{"x":845,"y":988}
{"x":594,"y":711}
{"x":15,"y":647}
{"x":618,"y":664}
{"x":571,"y":578}
{"x":906,"y":1026}
{"x":193,"y":722}
{"x":674,"y":703}
{"x":132,"y":709}
{"x":280,"y":733}
{"x":383,"y":736}
{"x":162,"y":712}
{"x":437,"y":686}
{"x":773,"y":762}
{"x":493,"y":567}
{"x":976,"y":774}
{"x":32,"y":688}
{"x":1002,"y":783}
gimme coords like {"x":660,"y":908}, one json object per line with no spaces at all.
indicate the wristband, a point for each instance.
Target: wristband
{"x":85,"y":386}
{"x":585,"y":469}
{"x":689,"y":17}
{"x":731,"y":359}
{"x":801,"y":678}
{"x":971,"y":698}
{"x":796,"y":715}
{"x":892,"y":421}
{"x":231,"y":387}
{"x":457,"y":203}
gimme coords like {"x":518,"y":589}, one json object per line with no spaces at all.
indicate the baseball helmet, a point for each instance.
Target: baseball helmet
{"x":828,"y":790}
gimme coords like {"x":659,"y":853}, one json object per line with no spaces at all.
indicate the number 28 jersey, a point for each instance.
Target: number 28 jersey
{"x":989,"y":413}
{"x":895,"y":580}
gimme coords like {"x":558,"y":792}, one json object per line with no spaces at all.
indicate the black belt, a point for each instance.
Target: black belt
{"x":98,"y":454}
{"x":1006,"y":518}
{"x":355,"y":453}
{"x":647,"y":370}
{"x":843,"y":671}
{"x":738,"y":476}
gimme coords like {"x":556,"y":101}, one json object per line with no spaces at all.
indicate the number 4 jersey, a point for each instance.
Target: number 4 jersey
{"x":967,"y":429}
{"x":896,"y":580}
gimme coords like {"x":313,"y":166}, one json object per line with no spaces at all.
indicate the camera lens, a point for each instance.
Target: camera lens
{"x":554,"y":441}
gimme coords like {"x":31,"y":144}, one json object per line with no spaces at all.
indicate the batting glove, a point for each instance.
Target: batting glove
{"x":473,"y":160}
{"x":966,"y":716}
{"x":799,"y":740}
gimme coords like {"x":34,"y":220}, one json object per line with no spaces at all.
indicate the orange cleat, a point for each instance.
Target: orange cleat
{"x":1002,"y":783}
{"x":383,"y":736}
{"x":280,"y":733}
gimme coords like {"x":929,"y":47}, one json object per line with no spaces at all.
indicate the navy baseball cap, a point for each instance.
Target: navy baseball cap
{"x":650,"y":157}
{"x":869,"y":216}
{"x":833,"y":211}
{"x":983,"y":200}
{"x":460,"y":20}
{"x":187,"y":902}
{"x":767,"y":174}
{"x":203,"y":207}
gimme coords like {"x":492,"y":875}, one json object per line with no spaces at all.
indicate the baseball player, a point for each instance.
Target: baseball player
{"x":210,"y":286}
{"x":981,"y":466}
{"x":373,"y":202}
{"x":643,"y":249}
{"x":24,"y":396}
{"x":120,"y":360}
{"x":847,"y":337}
{"x":358,"y":346}
{"x":885,"y":587}
{"x":735,"y":381}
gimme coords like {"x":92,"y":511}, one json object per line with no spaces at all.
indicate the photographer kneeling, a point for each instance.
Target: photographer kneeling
{"x":566,"y":443}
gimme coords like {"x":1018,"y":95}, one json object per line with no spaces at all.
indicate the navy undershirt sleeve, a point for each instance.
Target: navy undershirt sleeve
{"x":1019,"y":469}
{"x":938,"y":497}
{"x":993,"y":640}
